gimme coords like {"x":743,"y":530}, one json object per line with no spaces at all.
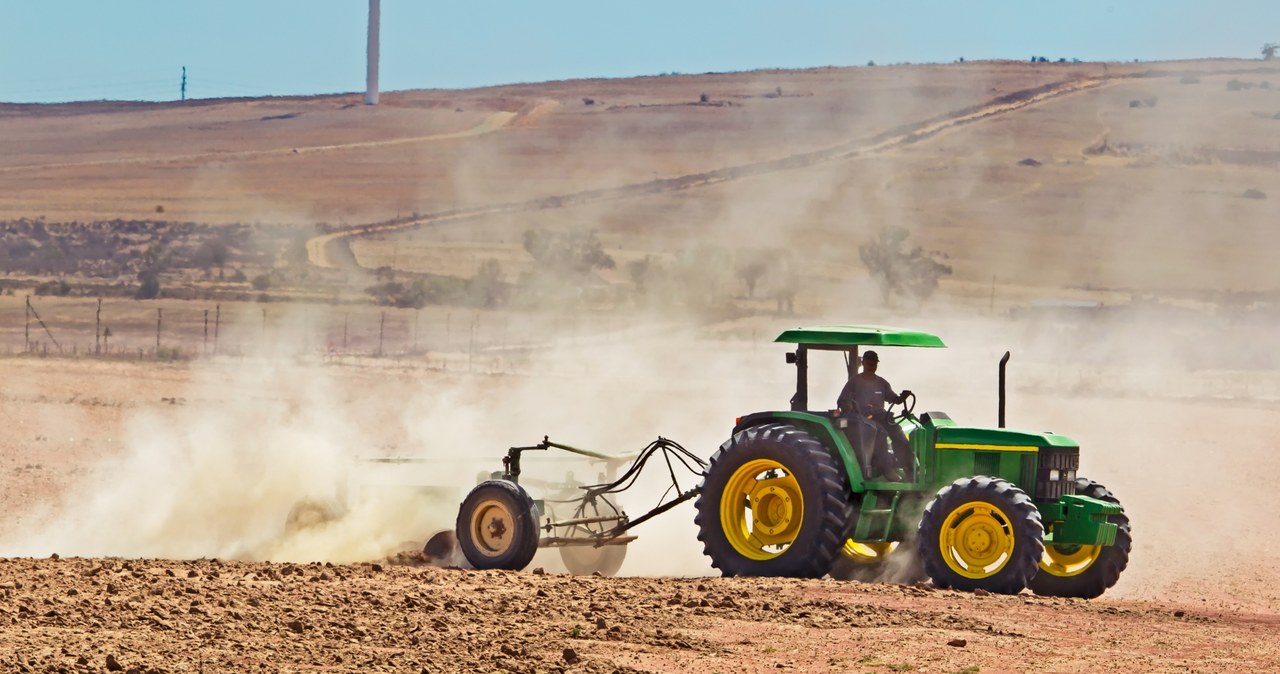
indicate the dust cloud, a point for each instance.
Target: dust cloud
{"x":1129,"y":320}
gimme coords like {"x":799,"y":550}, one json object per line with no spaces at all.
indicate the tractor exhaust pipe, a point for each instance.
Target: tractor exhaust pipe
{"x":1003,"y":362}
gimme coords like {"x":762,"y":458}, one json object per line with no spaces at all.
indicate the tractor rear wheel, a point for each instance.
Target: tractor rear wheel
{"x":774,"y":502}
{"x":497,"y":527}
{"x":1085,"y":571}
{"x":981,"y":533}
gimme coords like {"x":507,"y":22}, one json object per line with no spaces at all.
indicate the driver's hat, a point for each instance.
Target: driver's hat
{"x":871,"y":355}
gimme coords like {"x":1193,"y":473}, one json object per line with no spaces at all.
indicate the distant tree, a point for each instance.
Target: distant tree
{"x":261,"y":282}
{"x":486,"y":288}
{"x":1269,"y":50}
{"x":641,"y":272}
{"x":567,"y":253}
{"x":148,"y":286}
{"x":212,"y":253}
{"x":749,"y":269}
{"x":901,"y":270}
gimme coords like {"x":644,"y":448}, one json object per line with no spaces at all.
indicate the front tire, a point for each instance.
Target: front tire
{"x":774,"y":502}
{"x":1085,"y":571}
{"x":497,"y":527}
{"x":981,"y":533}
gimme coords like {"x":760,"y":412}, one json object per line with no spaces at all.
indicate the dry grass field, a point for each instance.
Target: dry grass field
{"x":1129,"y":268}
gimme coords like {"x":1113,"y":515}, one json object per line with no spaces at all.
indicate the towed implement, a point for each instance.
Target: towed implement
{"x":806,"y":493}
{"x":500,"y":526}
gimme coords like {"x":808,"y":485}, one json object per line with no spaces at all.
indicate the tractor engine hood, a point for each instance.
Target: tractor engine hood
{"x":962,"y":437}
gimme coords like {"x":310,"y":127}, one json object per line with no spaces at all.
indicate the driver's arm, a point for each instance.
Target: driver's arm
{"x":845,"y":402}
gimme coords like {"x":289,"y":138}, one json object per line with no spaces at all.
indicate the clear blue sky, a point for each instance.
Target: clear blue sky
{"x":59,"y":50}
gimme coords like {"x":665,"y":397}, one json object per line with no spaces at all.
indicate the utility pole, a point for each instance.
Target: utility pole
{"x":184,"y":83}
{"x":371,"y":71}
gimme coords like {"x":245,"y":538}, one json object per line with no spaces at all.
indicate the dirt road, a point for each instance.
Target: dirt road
{"x":320,"y":248}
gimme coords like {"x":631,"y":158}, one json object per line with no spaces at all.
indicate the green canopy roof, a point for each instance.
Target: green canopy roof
{"x":858,"y":335}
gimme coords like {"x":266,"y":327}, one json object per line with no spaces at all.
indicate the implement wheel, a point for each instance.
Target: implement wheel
{"x":981,"y":533}
{"x":1085,"y":571}
{"x":774,"y":503}
{"x":584,"y":560}
{"x":497,"y":527}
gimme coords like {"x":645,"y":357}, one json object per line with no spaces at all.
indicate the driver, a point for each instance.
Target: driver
{"x":866,"y":394}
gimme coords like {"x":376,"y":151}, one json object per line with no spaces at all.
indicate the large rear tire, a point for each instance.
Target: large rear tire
{"x":981,"y":533}
{"x":774,"y":502}
{"x":1085,"y":571}
{"x":497,"y":527}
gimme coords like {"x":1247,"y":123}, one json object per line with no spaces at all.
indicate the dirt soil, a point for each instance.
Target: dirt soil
{"x":92,"y":615}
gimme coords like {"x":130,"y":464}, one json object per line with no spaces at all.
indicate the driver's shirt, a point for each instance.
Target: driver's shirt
{"x":869,"y":393}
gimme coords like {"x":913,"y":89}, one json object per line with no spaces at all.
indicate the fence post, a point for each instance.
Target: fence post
{"x":26,"y":335}
{"x":471,"y":348}
{"x":97,"y":329}
{"x":217,"y":322}
{"x":159,"y":318}
{"x":382,"y":328}
{"x":204,"y":347}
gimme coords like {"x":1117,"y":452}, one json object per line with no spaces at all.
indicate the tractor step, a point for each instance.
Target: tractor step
{"x":874,"y":521}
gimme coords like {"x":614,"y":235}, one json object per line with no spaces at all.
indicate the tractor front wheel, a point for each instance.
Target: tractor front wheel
{"x":1085,"y":571}
{"x":497,"y":527}
{"x":774,"y":502}
{"x":981,"y":533}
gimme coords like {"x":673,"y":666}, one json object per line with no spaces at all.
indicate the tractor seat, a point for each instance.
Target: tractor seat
{"x":936,"y":419}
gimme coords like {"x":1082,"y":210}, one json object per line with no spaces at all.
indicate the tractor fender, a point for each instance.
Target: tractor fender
{"x":821,"y":428}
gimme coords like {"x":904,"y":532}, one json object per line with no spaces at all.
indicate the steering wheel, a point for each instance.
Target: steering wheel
{"x":908,"y":406}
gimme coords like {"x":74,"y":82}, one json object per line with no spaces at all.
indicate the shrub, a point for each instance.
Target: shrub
{"x":1254,"y":194}
{"x":148,"y":286}
{"x":59,"y":288}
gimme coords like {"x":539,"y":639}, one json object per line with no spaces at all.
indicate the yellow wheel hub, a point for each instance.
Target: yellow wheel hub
{"x":492,"y":527}
{"x":761,"y":509}
{"x":867,"y":553}
{"x":1069,"y":560}
{"x":976,"y":540}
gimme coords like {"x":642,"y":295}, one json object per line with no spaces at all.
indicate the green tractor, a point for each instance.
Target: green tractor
{"x":792,"y":493}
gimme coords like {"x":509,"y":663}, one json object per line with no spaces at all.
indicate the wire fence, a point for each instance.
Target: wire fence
{"x":447,"y":338}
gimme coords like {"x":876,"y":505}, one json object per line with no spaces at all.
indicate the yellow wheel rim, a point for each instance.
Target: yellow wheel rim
{"x":761,"y":509}
{"x":976,"y":540}
{"x":492,"y":527}
{"x":867,"y":553}
{"x":1069,"y":560}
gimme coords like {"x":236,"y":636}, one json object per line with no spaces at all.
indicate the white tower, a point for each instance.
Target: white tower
{"x":371,"y":74}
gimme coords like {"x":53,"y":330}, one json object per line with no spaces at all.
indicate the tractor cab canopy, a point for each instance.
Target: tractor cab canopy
{"x":844,"y":338}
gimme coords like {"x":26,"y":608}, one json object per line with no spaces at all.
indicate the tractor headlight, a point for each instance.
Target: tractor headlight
{"x":1054,"y":475}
